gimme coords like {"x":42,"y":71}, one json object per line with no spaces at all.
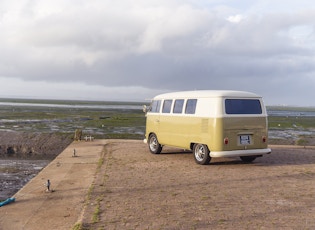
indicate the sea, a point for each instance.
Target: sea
{"x":271,"y":110}
{"x":78,"y":105}
{"x":294,"y":112}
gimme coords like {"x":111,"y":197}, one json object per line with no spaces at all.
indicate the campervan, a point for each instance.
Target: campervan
{"x":211,"y":123}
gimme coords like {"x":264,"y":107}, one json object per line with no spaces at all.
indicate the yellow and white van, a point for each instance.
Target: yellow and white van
{"x":211,"y":123}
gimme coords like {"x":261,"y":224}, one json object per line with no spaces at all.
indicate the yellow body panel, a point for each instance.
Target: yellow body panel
{"x":183,"y":131}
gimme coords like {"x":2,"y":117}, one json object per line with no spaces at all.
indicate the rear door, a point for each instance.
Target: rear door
{"x":245,"y":123}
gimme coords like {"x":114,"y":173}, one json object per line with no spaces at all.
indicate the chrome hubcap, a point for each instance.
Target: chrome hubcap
{"x":200,"y":153}
{"x":153,"y":144}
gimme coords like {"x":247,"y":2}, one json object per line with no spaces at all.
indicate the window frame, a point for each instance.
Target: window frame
{"x":157,"y":107}
{"x":191,"y":108}
{"x":167,"y":106}
{"x":180,"y":107}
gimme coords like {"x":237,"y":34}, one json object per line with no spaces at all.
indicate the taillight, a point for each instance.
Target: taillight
{"x":264,"y":139}
{"x":226,"y":141}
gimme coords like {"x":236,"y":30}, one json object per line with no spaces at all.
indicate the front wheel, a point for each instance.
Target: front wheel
{"x":201,"y":154}
{"x":248,"y":159}
{"x":154,"y":145}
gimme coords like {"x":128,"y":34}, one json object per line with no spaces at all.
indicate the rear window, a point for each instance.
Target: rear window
{"x":243,"y":106}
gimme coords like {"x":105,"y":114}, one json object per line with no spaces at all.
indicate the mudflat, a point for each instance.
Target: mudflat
{"x":118,"y":184}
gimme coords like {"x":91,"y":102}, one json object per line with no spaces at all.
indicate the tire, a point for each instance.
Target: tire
{"x":201,"y":154}
{"x":154,"y":145}
{"x":248,"y":159}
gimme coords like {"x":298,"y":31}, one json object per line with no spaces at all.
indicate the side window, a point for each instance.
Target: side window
{"x":191,"y":106}
{"x":178,"y":106}
{"x":155,"y":106}
{"x":167,"y":106}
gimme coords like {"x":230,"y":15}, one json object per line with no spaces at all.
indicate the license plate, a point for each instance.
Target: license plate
{"x":245,"y":140}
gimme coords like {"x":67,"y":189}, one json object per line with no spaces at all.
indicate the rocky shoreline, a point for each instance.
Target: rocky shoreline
{"x":32,"y":145}
{"x":23,"y":155}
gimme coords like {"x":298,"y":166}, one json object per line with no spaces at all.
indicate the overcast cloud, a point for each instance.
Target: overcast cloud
{"x":132,"y":50}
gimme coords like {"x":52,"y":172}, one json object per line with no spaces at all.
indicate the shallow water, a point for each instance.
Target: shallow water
{"x":293,"y":134}
{"x":15,"y":173}
{"x":74,"y":106}
{"x":288,"y":113}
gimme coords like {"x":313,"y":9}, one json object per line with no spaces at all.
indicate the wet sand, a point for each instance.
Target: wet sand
{"x":15,"y":173}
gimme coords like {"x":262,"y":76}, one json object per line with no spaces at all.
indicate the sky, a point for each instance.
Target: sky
{"x":129,"y":50}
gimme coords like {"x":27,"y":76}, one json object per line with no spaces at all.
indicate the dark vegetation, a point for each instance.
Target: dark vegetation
{"x":99,"y":119}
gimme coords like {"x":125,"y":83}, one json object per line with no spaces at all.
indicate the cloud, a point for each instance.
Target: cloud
{"x":75,"y":91}
{"x":235,"y":18}
{"x":156,"y":46}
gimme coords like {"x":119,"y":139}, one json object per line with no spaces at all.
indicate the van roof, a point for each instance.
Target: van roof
{"x":207,"y":93}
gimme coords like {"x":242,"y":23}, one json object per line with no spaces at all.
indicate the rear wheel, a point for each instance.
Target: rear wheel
{"x":201,"y":154}
{"x":154,"y":145}
{"x":248,"y":159}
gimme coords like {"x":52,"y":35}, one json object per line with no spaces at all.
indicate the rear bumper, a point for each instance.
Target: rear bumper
{"x":238,"y":153}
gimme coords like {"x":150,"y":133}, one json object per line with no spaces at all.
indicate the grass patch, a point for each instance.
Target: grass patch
{"x":282,"y":122}
{"x":89,"y":195}
{"x":100,"y":163}
{"x":96,"y":214}
{"x":302,"y":142}
{"x":9,"y":170}
{"x":77,"y":226}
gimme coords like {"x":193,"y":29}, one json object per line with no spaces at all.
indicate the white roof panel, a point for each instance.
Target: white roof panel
{"x":206,"y":93}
